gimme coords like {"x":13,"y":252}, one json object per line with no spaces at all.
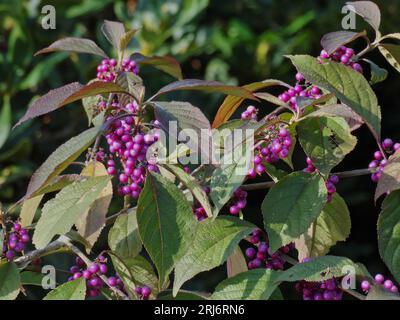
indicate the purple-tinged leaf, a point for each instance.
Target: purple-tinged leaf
{"x":113,"y":31}
{"x":202,"y":85}
{"x":378,"y":74}
{"x":126,"y":38}
{"x":390,"y":179}
{"x":334,"y":40}
{"x":367,"y":10}
{"x":74,"y":45}
{"x":167,"y":64}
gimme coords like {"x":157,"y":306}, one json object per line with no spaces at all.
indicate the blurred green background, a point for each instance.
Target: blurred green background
{"x":232,"y":41}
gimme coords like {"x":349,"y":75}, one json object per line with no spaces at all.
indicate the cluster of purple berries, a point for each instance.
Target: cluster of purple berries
{"x":301,"y":89}
{"x":325,"y":290}
{"x":276,"y":146}
{"x":261,"y":257}
{"x":250,"y":113}
{"x":15,"y":241}
{"x":143,"y":292}
{"x":380,"y":159}
{"x":380,"y":280}
{"x":94,"y":283}
{"x":344,"y":55}
{"x":108,"y":69}
{"x":238,"y":202}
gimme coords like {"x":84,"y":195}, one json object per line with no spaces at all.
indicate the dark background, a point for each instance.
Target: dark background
{"x":232,"y":41}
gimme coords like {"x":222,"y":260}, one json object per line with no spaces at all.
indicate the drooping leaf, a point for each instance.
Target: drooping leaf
{"x":72,"y":290}
{"x":212,"y":244}
{"x":5,"y":120}
{"x":202,"y":85}
{"x":236,"y":263}
{"x":392,"y":54}
{"x":257,"y":284}
{"x":346,"y":84}
{"x":368,"y":10}
{"x":74,"y":45}
{"x":389,"y":233}
{"x":331,"y":226}
{"x":319,"y":269}
{"x":10,"y":281}
{"x":123,"y":238}
{"x":334,"y":40}
{"x":167,"y":64}
{"x":29,"y":209}
{"x":291,"y":206}
{"x":231,"y":102}
{"x":340,"y":110}
{"x":60,"y":213}
{"x":378,"y":74}
{"x":390,"y":179}
{"x":166,"y":223}
{"x":326,"y":140}
{"x":60,"y":159}
{"x":113,"y":31}
{"x":90,"y":223}
{"x":191,"y":183}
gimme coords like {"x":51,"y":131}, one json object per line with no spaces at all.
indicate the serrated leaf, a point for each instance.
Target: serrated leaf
{"x":59,"y":182}
{"x":231,"y":102}
{"x":90,"y":107}
{"x":390,"y":179}
{"x":123,"y":238}
{"x":291,"y":206}
{"x":334,"y":40}
{"x":5,"y":120}
{"x":326,"y":140}
{"x":319,"y":269}
{"x":389,"y":233}
{"x":113,"y":31}
{"x":380,"y":293}
{"x":340,"y":110}
{"x":166,"y":223}
{"x":132,"y":84}
{"x":392,"y":54}
{"x":90,"y":223}
{"x":60,"y":213}
{"x":368,"y":10}
{"x":236,"y":263}
{"x":10,"y":281}
{"x":378,"y":74}
{"x":257,"y":284}
{"x":72,"y":290}
{"x":202,"y":85}
{"x":166,"y":63}
{"x":348,"y":85}
{"x":74,"y":45}
{"x":212,"y":244}
{"x":195,"y":188}
{"x":29,"y":209}
{"x":60,"y":159}
{"x":333,"y":225}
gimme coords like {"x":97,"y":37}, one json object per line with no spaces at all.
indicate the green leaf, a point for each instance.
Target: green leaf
{"x":74,"y":45}
{"x":202,"y":85}
{"x":380,"y":293}
{"x":113,"y":31}
{"x":236,"y":263}
{"x":378,"y":74}
{"x":326,"y":140}
{"x":60,"y":159}
{"x":126,"y":38}
{"x":392,"y":54}
{"x":257,"y":284}
{"x":331,"y":226}
{"x":291,"y":206}
{"x":390,"y":179}
{"x":319,"y":269}
{"x":368,"y":10}
{"x":389,"y":233}
{"x":90,"y":104}
{"x":195,"y":188}
{"x":166,"y":223}
{"x":29,"y":209}
{"x":72,"y":290}
{"x":123,"y":238}
{"x":182,"y":295}
{"x":346,"y":84}
{"x":334,"y":40}
{"x":212,"y":244}
{"x":232,"y":102}
{"x":10,"y":281}
{"x":5,"y":120}
{"x":167,"y":64}
{"x":60,"y":213}
{"x":29,"y":278}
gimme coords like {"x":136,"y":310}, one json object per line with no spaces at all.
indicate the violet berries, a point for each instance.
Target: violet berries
{"x":15,"y":241}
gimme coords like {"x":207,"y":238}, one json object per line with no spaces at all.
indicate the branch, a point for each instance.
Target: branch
{"x":269,"y":184}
